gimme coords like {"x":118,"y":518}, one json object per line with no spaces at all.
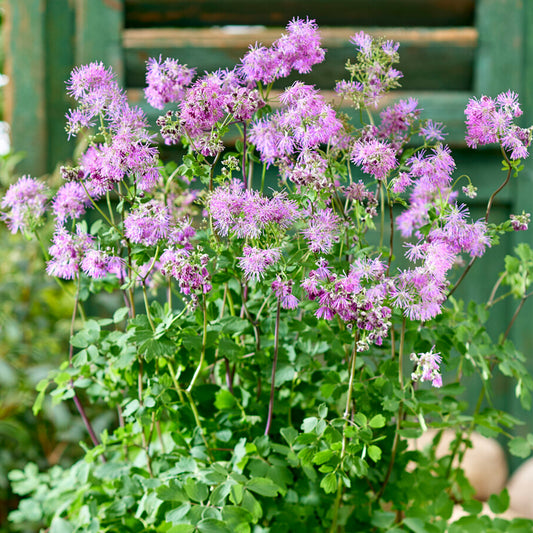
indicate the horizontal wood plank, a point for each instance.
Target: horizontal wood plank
{"x":183,"y":13}
{"x":243,"y":36}
{"x":430,"y":59}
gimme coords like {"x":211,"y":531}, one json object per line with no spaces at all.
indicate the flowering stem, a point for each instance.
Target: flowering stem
{"x":198,"y":423}
{"x":399,"y":417}
{"x":491,"y":199}
{"x":273,"y":376}
{"x":338,"y":498}
{"x":491,"y":301}
{"x":489,"y":206}
{"x":391,"y":242}
{"x":147,"y":307}
{"x":77,"y":402}
{"x":202,"y":354}
{"x":518,"y":309}
{"x":108,"y":200}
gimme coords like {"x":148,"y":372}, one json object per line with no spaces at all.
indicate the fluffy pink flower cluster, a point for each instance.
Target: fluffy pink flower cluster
{"x":298,"y":49}
{"x":491,"y":120}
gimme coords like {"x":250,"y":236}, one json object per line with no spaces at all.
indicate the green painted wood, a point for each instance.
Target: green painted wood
{"x":184,"y":13}
{"x":98,"y":33}
{"x":522,"y":193}
{"x":25,"y":93}
{"x":499,"y":61}
{"x":59,"y":38}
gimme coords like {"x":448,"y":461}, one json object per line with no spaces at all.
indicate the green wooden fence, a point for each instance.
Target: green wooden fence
{"x":450,"y":50}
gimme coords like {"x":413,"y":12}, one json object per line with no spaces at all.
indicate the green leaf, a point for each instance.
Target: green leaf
{"x":224,"y":400}
{"x":264,"y":486}
{"x":499,"y":503}
{"x":236,"y":494}
{"x":289,"y":434}
{"x":519,"y":447}
{"x":323,"y":456}
{"x":329,"y":483}
{"x":377,"y":421}
{"x":374,"y":452}
{"x":309,"y":424}
{"x":383,"y":519}
{"x":196,"y":490}
{"x":415,"y":524}
{"x":323,"y":411}
{"x":237,"y":519}
{"x":59,"y":525}
{"x":120,"y":314}
{"x":211,"y":525}
{"x":179,"y":513}
{"x":182,"y":528}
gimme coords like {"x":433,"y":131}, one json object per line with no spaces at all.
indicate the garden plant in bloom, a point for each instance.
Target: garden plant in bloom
{"x":273,"y":347}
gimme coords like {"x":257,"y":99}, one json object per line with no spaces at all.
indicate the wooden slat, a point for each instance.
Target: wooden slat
{"x":26,"y":91}
{"x":431,"y":59}
{"x":59,"y":62}
{"x":243,"y":36}
{"x":98,"y":33}
{"x":445,"y":107}
{"x":499,"y":60}
{"x":183,"y":13}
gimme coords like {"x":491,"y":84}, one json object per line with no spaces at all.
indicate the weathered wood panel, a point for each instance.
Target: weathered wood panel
{"x":184,"y":13}
{"x":26,"y":93}
{"x":99,"y":26}
{"x":59,"y":47}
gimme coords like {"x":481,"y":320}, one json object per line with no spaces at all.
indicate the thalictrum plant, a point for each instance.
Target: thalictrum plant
{"x":272,"y":348}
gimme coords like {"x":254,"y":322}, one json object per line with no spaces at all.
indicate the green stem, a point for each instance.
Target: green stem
{"x":198,"y":423}
{"x":202,"y":354}
{"x":338,"y":498}
{"x":273,"y":376}
{"x":399,"y":417}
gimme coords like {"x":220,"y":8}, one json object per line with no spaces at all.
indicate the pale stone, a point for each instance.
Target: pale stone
{"x":484,"y":465}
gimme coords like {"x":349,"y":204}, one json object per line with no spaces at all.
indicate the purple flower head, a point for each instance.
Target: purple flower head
{"x":166,"y":81}
{"x":322,"y":230}
{"x":469,"y":190}
{"x":106,"y":165}
{"x":67,"y":252}
{"x":291,"y":136}
{"x":363,"y":41}
{"x":25,"y":204}
{"x":299,"y":48}
{"x":255,"y":261}
{"x":97,"y":264}
{"x":520,"y":222}
{"x":260,"y":64}
{"x":396,"y":122}
{"x":372,"y":75}
{"x":490,"y":121}
{"x":246,"y":214}
{"x":358,"y":298}
{"x":375,"y":157}
{"x":96,"y":90}
{"x":189,"y":268}
{"x":283,"y":290}
{"x":204,"y":104}
{"x":181,"y":232}
{"x":427,"y":367}
{"x":71,"y":201}
{"x":432,"y":131}
{"x":148,"y":223}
